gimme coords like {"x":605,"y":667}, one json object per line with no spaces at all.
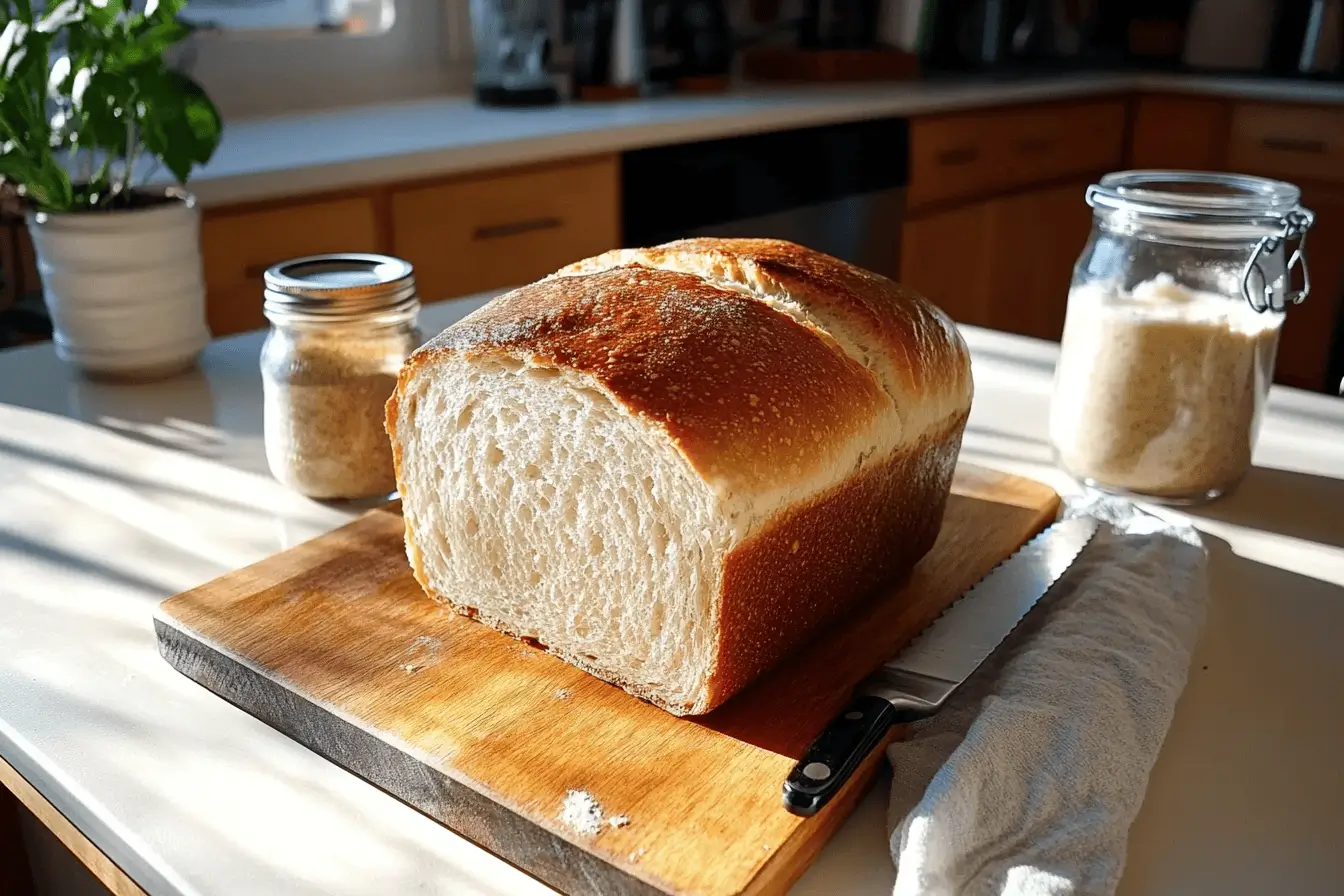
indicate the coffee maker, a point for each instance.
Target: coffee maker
{"x":513,"y":50}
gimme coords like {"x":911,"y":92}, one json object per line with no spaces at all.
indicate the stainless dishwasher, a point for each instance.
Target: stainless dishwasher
{"x":839,"y":189}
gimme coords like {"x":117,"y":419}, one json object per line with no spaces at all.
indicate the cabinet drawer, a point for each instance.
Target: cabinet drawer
{"x":238,"y":247}
{"x":967,"y":155}
{"x":506,"y":229}
{"x":1290,"y":142}
{"x":1180,"y":132}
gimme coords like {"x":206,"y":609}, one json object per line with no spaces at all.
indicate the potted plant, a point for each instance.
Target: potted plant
{"x":90,"y":110}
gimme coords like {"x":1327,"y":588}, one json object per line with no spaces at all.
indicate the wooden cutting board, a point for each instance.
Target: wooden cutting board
{"x":334,"y":643}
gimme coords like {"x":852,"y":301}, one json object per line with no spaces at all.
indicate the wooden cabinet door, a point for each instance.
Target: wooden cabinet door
{"x":1304,"y":346}
{"x":1033,"y":241}
{"x":238,"y":246}
{"x":942,"y":259}
{"x":1294,"y":143}
{"x":969,"y":155}
{"x":1184,"y":132}
{"x":1005,"y":263}
{"x":506,"y":228}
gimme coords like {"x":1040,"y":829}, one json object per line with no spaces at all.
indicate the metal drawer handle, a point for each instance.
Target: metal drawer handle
{"x":1289,"y":144}
{"x":514,"y":228}
{"x":959,"y":156}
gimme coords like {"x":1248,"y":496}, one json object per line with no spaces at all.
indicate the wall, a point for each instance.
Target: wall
{"x":249,"y":76}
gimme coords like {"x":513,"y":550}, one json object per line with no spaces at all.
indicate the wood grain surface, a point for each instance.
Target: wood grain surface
{"x":333,"y":643}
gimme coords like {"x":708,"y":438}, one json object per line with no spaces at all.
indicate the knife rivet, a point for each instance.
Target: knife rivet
{"x":817,"y":771}
{"x":854,"y":716}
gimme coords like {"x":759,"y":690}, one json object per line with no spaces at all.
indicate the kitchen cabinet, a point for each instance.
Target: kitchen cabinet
{"x":1304,"y":345}
{"x":997,"y":217}
{"x":1005,"y":263}
{"x":463,"y":236}
{"x":1184,"y":132}
{"x":968,"y":156}
{"x":506,"y":229}
{"x":1295,"y":143}
{"x":238,"y":246}
{"x":940,"y":260}
{"x":1304,"y":145}
{"x":14,"y":876}
{"x":1035,"y":239}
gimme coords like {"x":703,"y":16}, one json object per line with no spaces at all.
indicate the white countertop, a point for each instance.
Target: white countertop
{"x":298,"y":154}
{"x":113,"y":498}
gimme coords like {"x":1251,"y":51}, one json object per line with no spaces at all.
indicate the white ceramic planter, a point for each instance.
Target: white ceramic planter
{"x":124,"y":288}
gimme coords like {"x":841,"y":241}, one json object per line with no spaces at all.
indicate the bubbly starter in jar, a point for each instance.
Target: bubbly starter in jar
{"x":1158,"y":388}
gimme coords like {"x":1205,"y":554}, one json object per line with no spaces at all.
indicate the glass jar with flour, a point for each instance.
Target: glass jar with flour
{"x":341,"y":326}
{"x":1171,"y":332}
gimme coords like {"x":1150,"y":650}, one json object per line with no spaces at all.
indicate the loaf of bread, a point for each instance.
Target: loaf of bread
{"x":672,"y":466}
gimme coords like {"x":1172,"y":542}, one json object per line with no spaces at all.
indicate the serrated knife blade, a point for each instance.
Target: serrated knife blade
{"x":918,"y":681}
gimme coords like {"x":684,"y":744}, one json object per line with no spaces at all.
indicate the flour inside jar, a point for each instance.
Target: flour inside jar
{"x":1158,"y":388}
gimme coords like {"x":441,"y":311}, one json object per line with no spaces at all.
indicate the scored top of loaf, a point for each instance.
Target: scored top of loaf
{"x":909,"y":344}
{"x":750,"y":396}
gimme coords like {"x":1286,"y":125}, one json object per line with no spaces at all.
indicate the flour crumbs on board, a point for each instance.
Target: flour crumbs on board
{"x":581,"y":813}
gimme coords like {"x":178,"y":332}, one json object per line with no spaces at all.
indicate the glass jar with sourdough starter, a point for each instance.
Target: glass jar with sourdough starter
{"x":341,"y":327}
{"x":1172,"y":326}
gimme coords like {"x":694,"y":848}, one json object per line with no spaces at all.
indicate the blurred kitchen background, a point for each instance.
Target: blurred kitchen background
{"x":923,"y":195}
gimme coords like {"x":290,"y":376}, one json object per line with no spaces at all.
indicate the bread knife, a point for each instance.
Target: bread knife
{"x":918,"y":681}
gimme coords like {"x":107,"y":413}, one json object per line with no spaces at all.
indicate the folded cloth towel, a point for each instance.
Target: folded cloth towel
{"x":1028,"y":781}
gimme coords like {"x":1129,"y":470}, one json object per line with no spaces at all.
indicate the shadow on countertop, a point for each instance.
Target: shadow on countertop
{"x":1298,"y":505}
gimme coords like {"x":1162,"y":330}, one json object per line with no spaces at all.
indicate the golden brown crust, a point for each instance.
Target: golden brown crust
{"x":915,"y":343}
{"x":819,"y":560}
{"x":750,"y":396}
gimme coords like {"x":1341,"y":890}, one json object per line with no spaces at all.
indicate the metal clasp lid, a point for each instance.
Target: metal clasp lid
{"x":1295,"y":226}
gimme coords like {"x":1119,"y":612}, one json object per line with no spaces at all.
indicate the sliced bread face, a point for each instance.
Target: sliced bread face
{"x":538,"y":504}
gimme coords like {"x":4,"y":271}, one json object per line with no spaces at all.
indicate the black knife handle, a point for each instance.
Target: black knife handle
{"x":835,"y":754}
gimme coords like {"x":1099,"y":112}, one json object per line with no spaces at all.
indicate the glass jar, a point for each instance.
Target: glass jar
{"x":341,"y":327}
{"x":1171,"y":331}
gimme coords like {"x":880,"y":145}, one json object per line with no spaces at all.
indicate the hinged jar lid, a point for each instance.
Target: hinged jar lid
{"x":340,"y":287}
{"x":1202,"y":208}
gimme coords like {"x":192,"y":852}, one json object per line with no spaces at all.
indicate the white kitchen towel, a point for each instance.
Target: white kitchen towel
{"x":1028,"y":781}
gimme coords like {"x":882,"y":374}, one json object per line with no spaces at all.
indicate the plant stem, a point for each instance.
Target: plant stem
{"x":129,"y":163}
{"x":105,"y":196}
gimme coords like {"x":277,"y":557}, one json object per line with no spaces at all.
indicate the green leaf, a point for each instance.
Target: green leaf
{"x":61,"y":15}
{"x":15,"y":168}
{"x":178,"y":122}
{"x":108,"y":86}
{"x":102,"y":15}
{"x":12,"y":45}
{"x":58,"y":80}
{"x":164,"y":9}
{"x":151,"y":41}
{"x":79,"y":84}
{"x":44,"y":181}
{"x":106,"y":111}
